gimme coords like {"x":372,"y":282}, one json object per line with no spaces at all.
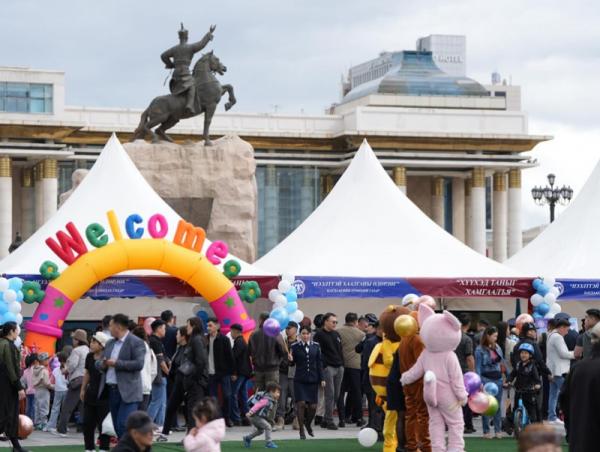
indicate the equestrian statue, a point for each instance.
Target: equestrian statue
{"x":192,"y":93}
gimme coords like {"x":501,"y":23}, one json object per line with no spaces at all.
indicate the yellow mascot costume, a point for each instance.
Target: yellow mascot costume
{"x":380,"y":363}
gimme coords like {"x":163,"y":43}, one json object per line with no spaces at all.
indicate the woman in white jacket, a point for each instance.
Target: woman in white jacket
{"x":149,"y":370}
{"x":558,"y":359}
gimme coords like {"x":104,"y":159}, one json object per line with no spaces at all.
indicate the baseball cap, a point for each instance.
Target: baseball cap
{"x":528,"y":327}
{"x":140,"y":421}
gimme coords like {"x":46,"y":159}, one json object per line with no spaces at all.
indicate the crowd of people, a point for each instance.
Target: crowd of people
{"x":193,"y":378}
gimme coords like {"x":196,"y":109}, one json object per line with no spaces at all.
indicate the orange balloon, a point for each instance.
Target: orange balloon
{"x":522,"y":319}
{"x":25,"y":426}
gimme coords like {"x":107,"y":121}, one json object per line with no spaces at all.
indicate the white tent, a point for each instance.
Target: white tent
{"x":113,"y":183}
{"x":570,"y":246}
{"x":366,"y":227}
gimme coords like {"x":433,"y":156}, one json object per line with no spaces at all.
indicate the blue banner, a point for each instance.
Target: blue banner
{"x":344,"y":287}
{"x":578,"y":289}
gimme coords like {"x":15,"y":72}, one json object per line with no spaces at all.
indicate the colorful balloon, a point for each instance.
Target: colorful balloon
{"x":291,"y":295}
{"x":543,"y":289}
{"x":523,"y":318}
{"x":405,"y":326}
{"x":273,"y":293}
{"x":549,"y":281}
{"x":271,"y":327}
{"x":15,"y":307}
{"x":550,"y":298}
{"x":15,"y":284}
{"x":479,"y":402}
{"x":290,"y":307}
{"x":147,"y":323}
{"x":536,"y":299}
{"x":367,"y":437}
{"x":491,"y":388}
{"x":281,"y":315}
{"x":492,"y":406}
{"x":472,"y":382}
{"x":543,"y":308}
{"x":428,"y":300}
{"x":10,"y":296}
{"x":409,"y":299}
{"x":288,"y":277}
{"x":536,"y":283}
{"x":297,"y":316}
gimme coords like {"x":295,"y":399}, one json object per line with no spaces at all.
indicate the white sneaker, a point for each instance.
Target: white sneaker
{"x":557,"y":422}
{"x":57,"y":433}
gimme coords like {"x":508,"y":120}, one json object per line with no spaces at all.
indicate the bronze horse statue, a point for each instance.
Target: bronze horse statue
{"x":166,"y":111}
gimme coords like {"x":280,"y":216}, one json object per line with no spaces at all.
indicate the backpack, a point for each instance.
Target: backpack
{"x":257,"y":397}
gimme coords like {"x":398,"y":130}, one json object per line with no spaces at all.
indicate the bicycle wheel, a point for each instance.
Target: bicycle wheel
{"x":518,"y":422}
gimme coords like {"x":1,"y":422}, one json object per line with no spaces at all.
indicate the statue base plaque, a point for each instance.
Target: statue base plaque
{"x":210,"y":186}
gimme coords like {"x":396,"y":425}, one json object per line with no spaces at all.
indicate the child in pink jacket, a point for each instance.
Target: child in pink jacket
{"x":209,"y":431}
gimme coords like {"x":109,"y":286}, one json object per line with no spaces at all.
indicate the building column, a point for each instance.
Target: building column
{"x":499,"y":216}
{"x":5,"y":205}
{"x":515,"y":230}
{"x":27,"y":203}
{"x":399,"y":176}
{"x":468,"y":219}
{"x":437,"y":201}
{"x":49,"y":188}
{"x":307,"y":204}
{"x":458,"y":208}
{"x":271,"y":208}
{"x":39,"y":196}
{"x":477,"y":226}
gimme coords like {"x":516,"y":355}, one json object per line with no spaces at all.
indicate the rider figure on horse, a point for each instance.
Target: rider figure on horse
{"x":179,"y":58}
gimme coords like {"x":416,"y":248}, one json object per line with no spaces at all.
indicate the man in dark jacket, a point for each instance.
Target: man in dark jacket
{"x":139,"y":434}
{"x":266,"y":354}
{"x":579,"y":400}
{"x":242,"y":372}
{"x":373,"y":337}
{"x":220,"y":366}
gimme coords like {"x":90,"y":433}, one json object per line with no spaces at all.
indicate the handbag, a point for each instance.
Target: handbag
{"x":107,"y":426}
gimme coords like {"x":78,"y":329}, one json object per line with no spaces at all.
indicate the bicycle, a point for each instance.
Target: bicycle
{"x":520,"y":416}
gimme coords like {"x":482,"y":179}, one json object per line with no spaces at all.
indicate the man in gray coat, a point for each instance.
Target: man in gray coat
{"x":121,"y":367}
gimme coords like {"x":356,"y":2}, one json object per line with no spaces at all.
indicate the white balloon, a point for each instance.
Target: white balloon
{"x":3,"y":284}
{"x":280,"y":299}
{"x":18,"y":329}
{"x":284,"y":286}
{"x":19,"y":319}
{"x":279,"y":303}
{"x":555,"y":291}
{"x":555,"y":309}
{"x":10,"y":296}
{"x":18,"y":342}
{"x":15,"y":307}
{"x":549,"y":315}
{"x":367,"y":437}
{"x":536,"y":299}
{"x":273,"y":293}
{"x":409,"y":299}
{"x":297,"y":316}
{"x":288,"y":277}
{"x":550,"y":298}
{"x":549,"y":281}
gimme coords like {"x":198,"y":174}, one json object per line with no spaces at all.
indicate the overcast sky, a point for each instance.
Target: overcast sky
{"x":290,"y":55}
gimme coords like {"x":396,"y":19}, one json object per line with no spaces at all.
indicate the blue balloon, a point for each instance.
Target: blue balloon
{"x":281,"y":315}
{"x":291,"y":307}
{"x":19,"y":296}
{"x":543,"y":308}
{"x":3,"y":307}
{"x":15,"y":284}
{"x":543,"y":289}
{"x":9,"y":317}
{"x":536,"y":283}
{"x":537,"y":316}
{"x":291,"y":295}
{"x":203,"y":315}
{"x":491,"y":388}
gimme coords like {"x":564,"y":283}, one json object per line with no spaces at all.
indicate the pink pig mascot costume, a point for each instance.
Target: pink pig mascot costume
{"x":444,"y":390}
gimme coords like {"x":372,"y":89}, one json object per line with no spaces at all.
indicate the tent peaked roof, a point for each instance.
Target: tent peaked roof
{"x":570,"y":246}
{"x":113,"y":183}
{"x":366,"y":227}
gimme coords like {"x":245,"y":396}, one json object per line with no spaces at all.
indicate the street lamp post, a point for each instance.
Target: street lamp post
{"x":552,"y":195}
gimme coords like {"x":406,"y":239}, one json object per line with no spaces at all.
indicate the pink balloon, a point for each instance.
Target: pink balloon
{"x":479,"y":402}
{"x":147,"y":323}
{"x":522,"y":319}
{"x":427,"y":300}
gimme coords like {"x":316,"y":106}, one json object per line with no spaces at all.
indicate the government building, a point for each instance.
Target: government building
{"x":454,"y":146}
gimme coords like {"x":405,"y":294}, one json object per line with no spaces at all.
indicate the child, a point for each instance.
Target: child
{"x":526,"y":380}
{"x":28,"y":385}
{"x":209,"y":431}
{"x":262,"y":414}
{"x":42,"y":385}
{"x":540,"y":438}
{"x":60,"y":390}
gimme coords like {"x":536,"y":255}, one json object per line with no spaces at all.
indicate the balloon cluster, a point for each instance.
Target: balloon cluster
{"x":481,"y":402}
{"x":412,"y":301}
{"x":285,"y":307}
{"x":11,"y":298}
{"x":544,"y":299}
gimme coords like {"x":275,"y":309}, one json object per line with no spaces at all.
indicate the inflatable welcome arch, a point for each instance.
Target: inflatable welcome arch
{"x":180,"y":258}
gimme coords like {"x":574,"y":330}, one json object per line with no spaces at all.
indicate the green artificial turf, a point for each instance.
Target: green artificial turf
{"x":320,"y":445}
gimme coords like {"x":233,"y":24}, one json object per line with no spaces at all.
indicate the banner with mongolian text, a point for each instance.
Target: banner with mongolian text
{"x":152,"y":286}
{"x":346,"y":287}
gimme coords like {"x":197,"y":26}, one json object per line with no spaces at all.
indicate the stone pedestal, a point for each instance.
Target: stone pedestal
{"x":211,"y":186}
